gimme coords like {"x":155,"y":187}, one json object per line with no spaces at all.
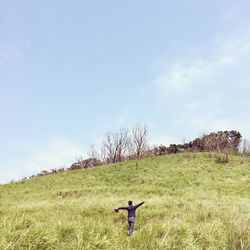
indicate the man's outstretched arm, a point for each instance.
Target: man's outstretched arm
{"x":121,"y":208}
{"x":139,"y":204}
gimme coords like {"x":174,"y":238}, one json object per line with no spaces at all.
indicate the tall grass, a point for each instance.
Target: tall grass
{"x":191,"y":202}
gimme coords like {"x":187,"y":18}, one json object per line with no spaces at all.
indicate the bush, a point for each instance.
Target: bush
{"x":222,"y":159}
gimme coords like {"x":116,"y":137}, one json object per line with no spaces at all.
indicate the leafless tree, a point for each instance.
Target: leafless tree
{"x":122,"y":143}
{"x":115,"y":146}
{"x":108,"y":148}
{"x":139,"y":143}
{"x":92,"y":152}
{"x":245,"y":146}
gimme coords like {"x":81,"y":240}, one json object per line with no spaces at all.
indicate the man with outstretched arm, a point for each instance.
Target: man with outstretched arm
{"x":131,"y":214}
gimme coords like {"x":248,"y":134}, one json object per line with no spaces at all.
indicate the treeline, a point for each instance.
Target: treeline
{"x":220,"y":141}
{"x":117,"y":147}
{"x":126,"y":145}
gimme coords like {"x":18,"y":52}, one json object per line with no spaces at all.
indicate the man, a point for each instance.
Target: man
{"x":131,"y":214}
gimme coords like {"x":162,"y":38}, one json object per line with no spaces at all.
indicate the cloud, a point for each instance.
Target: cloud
{"x":13,"y":54}
{"x":207,"y":89}
{"x":59,"y":152}
{"x":197,"y":70}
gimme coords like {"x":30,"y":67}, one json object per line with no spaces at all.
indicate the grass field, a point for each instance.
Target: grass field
{"x":191,"y":202}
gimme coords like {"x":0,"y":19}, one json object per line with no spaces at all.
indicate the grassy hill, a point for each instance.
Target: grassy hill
{"x":191,"y":202}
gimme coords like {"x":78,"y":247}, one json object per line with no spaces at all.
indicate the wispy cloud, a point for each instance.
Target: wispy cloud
{"x":60,"y":152}
{"x":12,"y":54}
{"x":207,"y":89}
{"x":200,"y":69}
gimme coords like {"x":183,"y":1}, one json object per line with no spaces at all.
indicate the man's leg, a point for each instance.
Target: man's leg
{"x":131,"y":225}
{"x":131,"y":230}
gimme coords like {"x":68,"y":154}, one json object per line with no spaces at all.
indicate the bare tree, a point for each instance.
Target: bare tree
{"x":108,"y":148}
{"x":104,"y":153}
{"x":139,"y":140}
{"x":115,"y":146}
{"x":245,"y":146}
{"x":92,"y":152}
{"x":121,"y":144}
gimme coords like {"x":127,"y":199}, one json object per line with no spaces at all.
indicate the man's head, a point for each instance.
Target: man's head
{"x":130,"y":203}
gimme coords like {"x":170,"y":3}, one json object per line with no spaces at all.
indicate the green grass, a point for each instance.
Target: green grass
{"x":191,"y":202}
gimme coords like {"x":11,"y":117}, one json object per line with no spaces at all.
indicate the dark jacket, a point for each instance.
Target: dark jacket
{"x":131,"y":209}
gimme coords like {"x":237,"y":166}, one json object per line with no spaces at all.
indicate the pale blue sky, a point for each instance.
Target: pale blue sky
{"x":72,"y":70}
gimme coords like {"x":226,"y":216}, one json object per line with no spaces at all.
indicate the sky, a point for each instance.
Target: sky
{"x":70,"y":71}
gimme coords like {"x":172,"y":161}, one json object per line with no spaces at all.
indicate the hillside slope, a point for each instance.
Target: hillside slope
{"x":191,"y":202}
